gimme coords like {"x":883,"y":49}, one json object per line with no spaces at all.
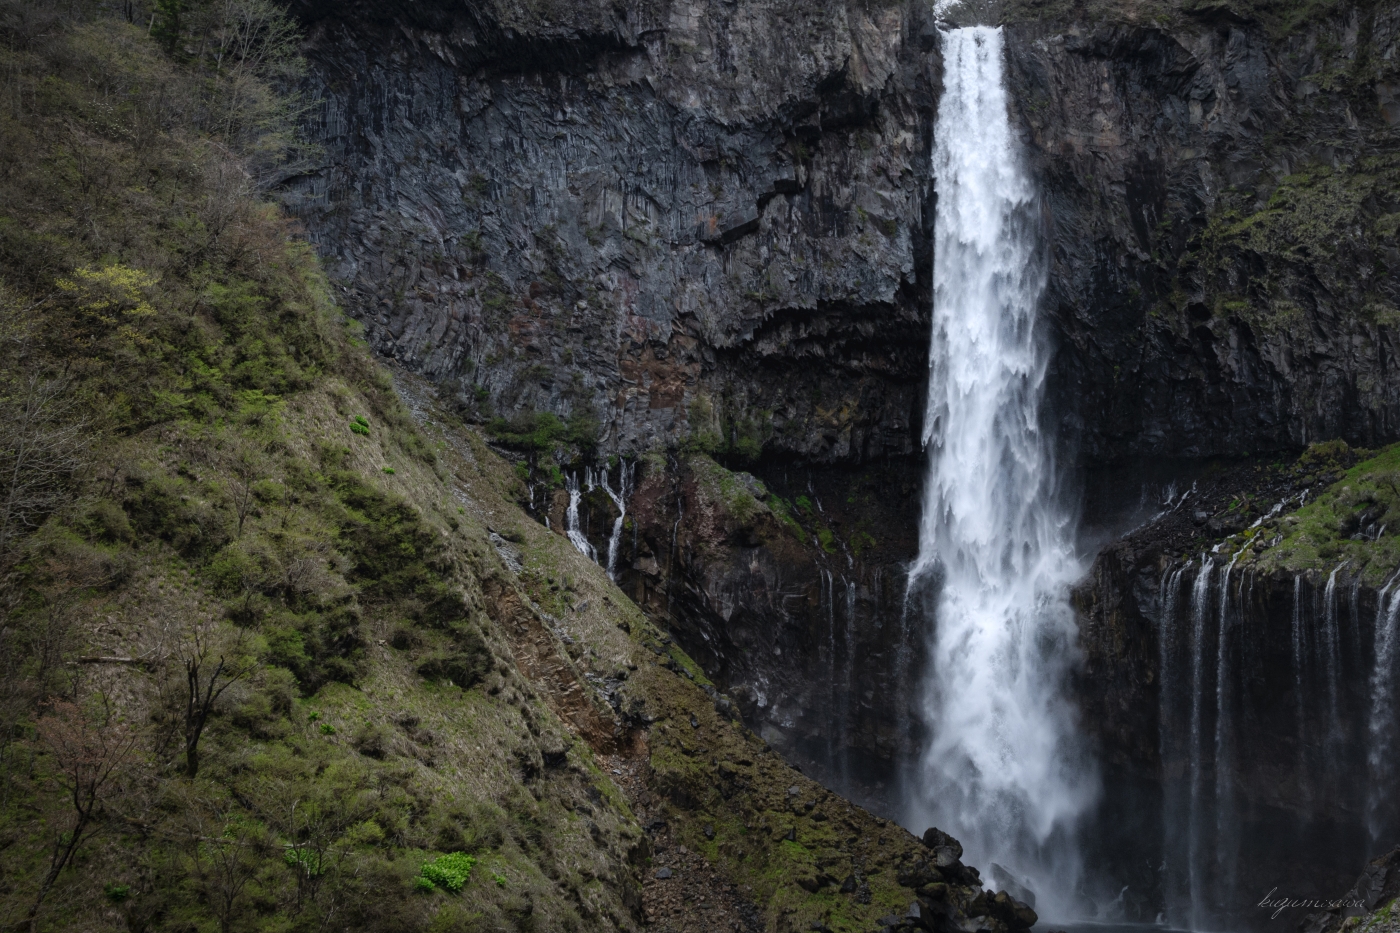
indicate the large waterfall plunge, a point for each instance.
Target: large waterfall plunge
{"x":1002,"y":769}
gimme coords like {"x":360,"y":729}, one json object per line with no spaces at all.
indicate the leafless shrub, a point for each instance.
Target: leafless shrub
{"x":89,"y":748}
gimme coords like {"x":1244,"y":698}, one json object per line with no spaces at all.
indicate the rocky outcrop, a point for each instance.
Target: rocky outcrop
{"x":1374,"y":893}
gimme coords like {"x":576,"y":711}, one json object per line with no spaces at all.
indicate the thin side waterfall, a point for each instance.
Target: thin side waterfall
{"x":1380,"y":781}
{"x":1225,"y":836}
{"x":619,"y":498}
{"x":1196,"y":856}
{"x":1175,"y":796}
{"x":1299,"y":660}
{"x":848,"y":679}
{"x":1333,"y":634}
{"x":1003,"y":768}
{"x":576,"y":537}
{"x":828,"y":602}
{"x":1249,"y":666}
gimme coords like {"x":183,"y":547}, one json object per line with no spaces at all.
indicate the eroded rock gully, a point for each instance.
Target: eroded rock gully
{"x":710,"y":220}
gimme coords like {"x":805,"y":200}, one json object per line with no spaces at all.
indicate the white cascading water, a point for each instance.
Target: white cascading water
{"x":619,"y":499}
{"x":571,"y":526}
{"x":1003,"y":769}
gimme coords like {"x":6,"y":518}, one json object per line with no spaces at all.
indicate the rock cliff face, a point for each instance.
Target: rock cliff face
{"x":705,"y":224}
{"x":635,"y":209}
{"x":1222,"y":212}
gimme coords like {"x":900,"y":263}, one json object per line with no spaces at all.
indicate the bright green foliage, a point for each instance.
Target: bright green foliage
{"x":450,"y":871}
{"x":305,"y":861}
{"x":1353,"y":521}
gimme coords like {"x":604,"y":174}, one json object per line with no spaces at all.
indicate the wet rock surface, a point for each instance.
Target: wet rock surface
{"x":1209,"y":605}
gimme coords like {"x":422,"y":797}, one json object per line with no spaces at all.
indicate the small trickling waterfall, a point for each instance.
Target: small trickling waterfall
{"x":571,"y":523}
{"x":625,"y":473}
{"x":577,"y":535}
{"x":1276,"y":731}
{"x":1002,"y":768}
{"x":1380,"y":728}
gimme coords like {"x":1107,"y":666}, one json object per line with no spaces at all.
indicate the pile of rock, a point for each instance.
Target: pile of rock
{"x":949,"y":897}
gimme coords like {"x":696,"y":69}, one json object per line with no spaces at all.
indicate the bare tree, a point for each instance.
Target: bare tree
{"x":245,"y":475}
{"x":41,"y":447}
{"x":226,"y":851}
{"x":209,"y":671}
{"x":88,"y":752}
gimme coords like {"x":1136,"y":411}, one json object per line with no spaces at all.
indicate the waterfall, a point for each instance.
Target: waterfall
{"x":1225,"y":830}
{"x":577,"y":537}
{"x":848,"y":680}
{"x":1196,"y":878}
{"x":619,"y":499}
{"x":1175,"y":802}
{"x":1287,"y":698}
{"x":1380,"y":784}
{"x":828,"y":602}
{"x":1003,"y":768}
{"x":1299,"y":646}
{"x":1333,"y":634}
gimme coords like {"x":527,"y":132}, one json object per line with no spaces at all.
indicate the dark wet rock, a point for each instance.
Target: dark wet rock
{"x":1378,"y":886}
{"x":936,"y":838}
{"x":918,"y":874}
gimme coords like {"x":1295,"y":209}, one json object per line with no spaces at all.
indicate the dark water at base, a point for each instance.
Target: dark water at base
{"x":1045,"y":927}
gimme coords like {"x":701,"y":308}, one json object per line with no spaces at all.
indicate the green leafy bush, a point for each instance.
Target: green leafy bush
{"x":449,"y":871}
{"x":304,"y":861}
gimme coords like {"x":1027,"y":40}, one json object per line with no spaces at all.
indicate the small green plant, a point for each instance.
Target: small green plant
{"x":313,"y":715}
{"x":360,"y":426}
{"x":804,"y":505}
{"x":389,"y":470}
{"x":499,"y":879}
{"x":449,"y":871}
{"x":116,"y":893}
{"x":304,"y":861}
{"x":327,"y":729}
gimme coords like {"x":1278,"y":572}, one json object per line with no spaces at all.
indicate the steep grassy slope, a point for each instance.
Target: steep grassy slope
{"x":249,"y":681}
{"x":278,"y":652}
